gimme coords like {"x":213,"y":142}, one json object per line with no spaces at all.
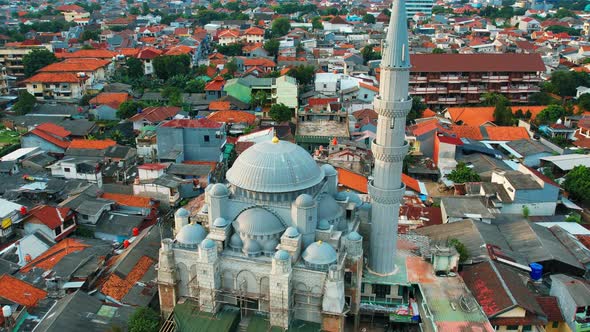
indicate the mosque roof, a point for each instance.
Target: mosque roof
{"x":191,"y":234}
{"x":277,"y":166}
{"x":258,"y":221}
{"x":320,"y":253}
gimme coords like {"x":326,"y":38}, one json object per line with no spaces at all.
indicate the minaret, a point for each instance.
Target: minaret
{"x":389,"y":147}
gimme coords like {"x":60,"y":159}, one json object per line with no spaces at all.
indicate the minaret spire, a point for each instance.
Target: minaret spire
{"x":389,"y":147}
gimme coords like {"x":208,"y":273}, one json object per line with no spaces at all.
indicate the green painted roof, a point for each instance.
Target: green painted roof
{"x":398,"y":278}
{"x":188,"y":318}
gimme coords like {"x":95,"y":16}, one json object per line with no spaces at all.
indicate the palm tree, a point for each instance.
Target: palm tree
{"x":116,"y":135}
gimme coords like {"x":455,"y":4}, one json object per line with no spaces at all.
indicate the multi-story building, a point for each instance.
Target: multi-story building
{"x":280,"y":90}
{"x":11,"y":57}
{"x":457,"y":79}
{"x":3,"y":81}
{"x":419,"y":6}
{"x":60,"y":86}
{"x":190,"y":139}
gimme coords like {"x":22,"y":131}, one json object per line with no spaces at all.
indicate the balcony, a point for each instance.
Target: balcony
{"x":474,"y":89}
{"x":418,"y":79}
{"x":522,"y":99}
{"x":519,"y":89}
{"x":428,"y":90}
{"x":495,"y":79}
{"x":451,"y":101}
{"x":454,"y":79}
{"x":531,"y":78}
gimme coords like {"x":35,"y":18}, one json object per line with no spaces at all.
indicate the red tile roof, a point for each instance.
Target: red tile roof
{"x":228,"y":34}
{"x":179,"y":50}
{"x":155,"y":114}
{"x":92,"y":144}
{"x":53,"y":134}
{"x":218,"y":105}
{"x":551,"y":308}
{"x":117,"y":287}
{"x":506,"y":133}
{"x":471,"y":132}
{"x":369,"y":87}
{"x":428,"y":113}
{"x":411,"y":183}
{"x":48,"y":259}
{"x":216,"y":84}
{"x":480,"y":62}
{"x":152,"y":167}
{"x":129,"y":200}
{"x":449,"y":140}
{"x":18,"y":291}
{"x":352,"y":180}
{"x":229,"y":116}
{"x":64,"y":77}
{"x":98,"y":54}
{"x":260,"y":62}
{"x":148,"y":53}
{"x":321,"y":101}
{"x":112,"y":99}
{"x":50,"y":216}
{"x":192,"y":123}
{"x":424,"y":127}
{"x":75,"y":66}
{"x":256,"y":31}
{"x":54,"y":129}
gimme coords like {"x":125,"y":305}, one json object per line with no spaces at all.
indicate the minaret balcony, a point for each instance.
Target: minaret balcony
{"x":386,"y":196}
{"x":390,"y":154}
{"x":392,"y":109}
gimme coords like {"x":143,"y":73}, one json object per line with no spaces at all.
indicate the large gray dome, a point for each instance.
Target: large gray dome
{"x":191,"y":234}
{"x":275,"y":167}
{"x":258,"y":221}
{"x":320,"y":253}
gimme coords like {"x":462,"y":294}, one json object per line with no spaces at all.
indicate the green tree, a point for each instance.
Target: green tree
{"x":369,"y":19}
{"x":272,"y":46}
{"x":562,"y":13}
{"x":134,"y":67}
{"x":551,"y":114}
{"x":129,"y":108}
{"x":303,"y":74}
{"x":173,"y":94}
{"x":117,"y":135}
{"x":90,"y":35}
{"x":234,"y":49}
{"x":577,"y":183}
{"x":369,"y":54}
{"x":25,"y":103}
{"x":525,"y":211}
{"x":584,"y":102}
{"x":418,"y":108}
{"x":463,"y":174}
{"x":316,"y":23}
{"x":144,"y":320}
{"x":564,"y":83}
{"x":195,"y":86}
{"x":461,"y":249}
{"x":437,"y":50}
{"x":259,"y":98}
{"x":145,"y":8}
{"x":503,"y":114}
{"x":37,"y":59}
{"x":493,"y":99}
{"x":169,"y":65}
{"x":232,"y":67}
{"x":280,"y":112}
{"x":134,"y":11}
{"x":280,"y":27}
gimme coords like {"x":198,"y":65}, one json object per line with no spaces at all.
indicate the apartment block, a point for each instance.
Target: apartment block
{"x":11,"y":57}
{"x":442,"y":80}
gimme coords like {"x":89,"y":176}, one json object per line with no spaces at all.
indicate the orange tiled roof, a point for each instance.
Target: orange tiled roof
{"x":113,"y":99}
{"x":260,"y":62}
{"x":256,"y":31}
{"x":92,"y":144}
{"x":369,"y":87}
{"x":179,"y":50}
{"x":117,"y":288}
{"x":428,"y":113}
{"x":129,"y":52}
{"x":471,"y":132}
{"x":352,"y":180}
{"x":129,"y":200}
{"x":229,"y":116}
{"x":53,"y":255}
{"x":20,"y":292}
{"x":216,"y":84}
{"x":51,"y":216}
{"x":471,"y":116}
{"x":66,"y":77}
{"x":98,"y":54}
{"x":217,"y":105}
{"x":507,"y":133}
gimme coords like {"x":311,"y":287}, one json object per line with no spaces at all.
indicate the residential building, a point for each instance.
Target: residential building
{"x":59,"y":86}
{"x":190,"y":139}
{"x":94,"y":71}
{"x":10,"y":213}
{"x":11,"y":57}
{"x":3,"y":80}
{"x":48,"y":137}
{"x":321,"y":126}
{"x":147,"y":144}
{"x":227,"y":37}
{"x":78,"y":168}
{"x":280,"y":90}
{"x":55,"y":222}
{"x":254,"y":35}
{"x":573,"y":295}
{"x":414,"y":7}
{"x":153,"y":115}
{"x":456,"y":79}
{"x":459,"y":208}
{"x":147,"y":56}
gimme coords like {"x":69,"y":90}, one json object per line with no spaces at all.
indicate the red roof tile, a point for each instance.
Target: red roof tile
{"x":18,"y":291}
{"x":369,"y":87}
{"x":152,"y":167}
{"x":64,"y":77}
{"x":75,"y":66}
{"x":352,"y":180}
{"x":54,"y":129}
{"x":229,"y":116}
{"x":256,"y":31}
{"x":148,"y":53}
{"x":48,"y":259}
{"x":218,"y":105}
{"x":46,"y":131}
{"x":449,"y":140}
{"x":506,"y":133}
{"x":50,"y":216}
{"x":192,"y":123}
{"x":98,"y":54}
{"x":112,"y":99}
{"x":424,"y":127}
{"x":216,"y":84}
{"x":480,"y":62}
{"x":321,"y":101}
{"x":92,"y":144}
{"x":155,"y":114}
{"x":117,"y":287}
{"x":551,"y":308}
{"x":471,"y":132}
{"x":179,"y":50}
{"x":129,"y":200}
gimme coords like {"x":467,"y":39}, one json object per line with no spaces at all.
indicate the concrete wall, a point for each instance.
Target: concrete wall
{"x":31,"y":141}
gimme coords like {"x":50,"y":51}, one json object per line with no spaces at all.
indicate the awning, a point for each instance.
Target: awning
{"x":569,"y":204}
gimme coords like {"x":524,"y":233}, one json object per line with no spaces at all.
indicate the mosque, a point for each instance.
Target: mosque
{"x":281,"y":239}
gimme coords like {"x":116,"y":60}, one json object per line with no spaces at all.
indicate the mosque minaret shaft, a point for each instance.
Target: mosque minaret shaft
{"x":389,"y":147}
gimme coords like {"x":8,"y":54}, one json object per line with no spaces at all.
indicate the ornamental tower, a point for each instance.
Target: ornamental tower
{"x":389,"y":147}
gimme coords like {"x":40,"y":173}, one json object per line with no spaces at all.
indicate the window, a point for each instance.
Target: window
{"x":512,"y":327}
{"x":34,"y":86}
{"x":527,"y":328}
{"x":206,"y":138}
{"x":325,"y":86}
{"x":58,"y":231}
{"x":381,"y":291}
{"x":347,"y":278}
{"x":362,"y":288}
{"x":555,"y":325}
{"x":67,"y":169}
{"x":68,"y":222}
{"x":366,"y":96}
{"x":400,"y":291}
{"x":84,"y":216}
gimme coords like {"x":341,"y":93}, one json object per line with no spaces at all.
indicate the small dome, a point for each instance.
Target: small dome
{"x":182,"y":212}
{"x":282,"y":255}
{"x":320,"y":253}
{"x":251,"y":247}
{"x":352,"y":197}
{"x":270,"y":246}
{"x":236,"y":242}
{"x":220,"y":222}
{"x":191,"y":234}
{"x":218,"y":190}
{"x":208,"y":188}
{"x":329,"y":170}
{"x":304,"y":201}
{"x":208,"y":244}
{"x":258,"y":221}
{"x":323,"y":225}
{"x":354,"y":236}
{"x":328,"y":208}
{"x":291,"y":232}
